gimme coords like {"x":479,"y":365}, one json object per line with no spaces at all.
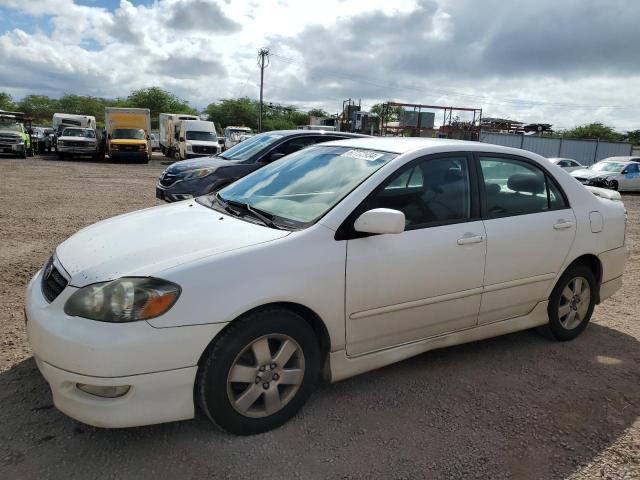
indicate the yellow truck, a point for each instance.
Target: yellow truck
{"x":128,"y":132}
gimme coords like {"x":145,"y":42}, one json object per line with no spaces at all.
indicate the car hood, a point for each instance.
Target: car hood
{"x":203,"y":162}
{"x":203,"y":143}
{"x":148,"y":241}
{"x":76,"y":139}
{"x":587,"y":173}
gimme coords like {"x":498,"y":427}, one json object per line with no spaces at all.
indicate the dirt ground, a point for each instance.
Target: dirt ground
{"x":519,"y":406}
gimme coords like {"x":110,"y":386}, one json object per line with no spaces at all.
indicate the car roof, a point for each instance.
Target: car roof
{"x":401,"y":145}
{"x":300,"y":132}
{"x":627,"y":158}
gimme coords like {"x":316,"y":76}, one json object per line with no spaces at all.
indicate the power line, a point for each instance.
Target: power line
{"x":516,"y":102}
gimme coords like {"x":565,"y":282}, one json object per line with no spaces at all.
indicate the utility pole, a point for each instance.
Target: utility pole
{"x":262,"y":54}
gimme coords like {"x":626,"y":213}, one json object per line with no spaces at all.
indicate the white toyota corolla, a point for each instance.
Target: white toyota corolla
{"x":338,"y":259}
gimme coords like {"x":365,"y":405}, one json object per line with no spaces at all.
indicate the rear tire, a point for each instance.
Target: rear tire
{"x":259,"y":373}
{"x":572,"y":302}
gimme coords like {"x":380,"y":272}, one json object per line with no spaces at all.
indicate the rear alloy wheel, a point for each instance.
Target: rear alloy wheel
{"x":259,"y":373}
{"x":572,"y":302}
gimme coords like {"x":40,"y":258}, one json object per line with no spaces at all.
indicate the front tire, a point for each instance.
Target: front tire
{"x":259,"y":373}
{"x":572,"y":302}
{"x":613,"y":185}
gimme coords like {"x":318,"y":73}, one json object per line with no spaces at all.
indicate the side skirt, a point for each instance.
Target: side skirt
{"x":341,"y":366}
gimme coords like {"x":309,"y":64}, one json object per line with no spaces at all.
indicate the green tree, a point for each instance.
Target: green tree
{"x":393,"y":112}
{"x":317,"y":112}
{"x":237,"y":112}
{"x":594,"y":131}
{"x":6,"y":102}
{"x":633,"y":137}
{"x":158,"y":101}
{"x":39,"y":107}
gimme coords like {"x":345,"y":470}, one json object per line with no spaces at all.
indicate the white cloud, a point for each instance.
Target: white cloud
{"x":488,"y":54}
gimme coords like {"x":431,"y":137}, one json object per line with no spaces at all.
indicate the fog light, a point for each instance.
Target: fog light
{"x":104,"y":391}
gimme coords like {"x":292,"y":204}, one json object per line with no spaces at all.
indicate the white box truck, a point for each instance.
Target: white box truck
{"x":128,"y":132}
{"x":170,"y":131}
{"x":197,"y":138}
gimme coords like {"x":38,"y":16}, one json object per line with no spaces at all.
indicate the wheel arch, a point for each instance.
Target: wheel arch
{"x":594,"y":264}
{"x":311,"y":317}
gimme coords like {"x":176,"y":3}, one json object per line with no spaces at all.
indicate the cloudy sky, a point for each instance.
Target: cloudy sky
{"x":563,"y":62}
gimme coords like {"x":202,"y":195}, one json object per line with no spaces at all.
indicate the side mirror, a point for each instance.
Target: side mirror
{"x":275,"y":156}
{"x":625,"y":171}
{"x":380,"y":220}
{"x":181,"y":139}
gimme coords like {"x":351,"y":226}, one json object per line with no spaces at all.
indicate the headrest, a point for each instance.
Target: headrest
{"x":526,"y":182}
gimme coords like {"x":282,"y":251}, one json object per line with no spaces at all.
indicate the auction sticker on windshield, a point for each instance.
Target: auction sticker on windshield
{"x":363,"y":155}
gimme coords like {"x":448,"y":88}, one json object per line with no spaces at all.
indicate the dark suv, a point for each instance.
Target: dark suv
{"x":192,"y":178}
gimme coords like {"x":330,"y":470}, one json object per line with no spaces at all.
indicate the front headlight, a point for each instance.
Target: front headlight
{"x":60,"y":143}
{"x":189,"y":147}
{"x":124,"y":300}
{"x":201,"y":172}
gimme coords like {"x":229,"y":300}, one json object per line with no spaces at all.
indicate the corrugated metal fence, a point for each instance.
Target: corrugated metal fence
{"x":586,"y":152}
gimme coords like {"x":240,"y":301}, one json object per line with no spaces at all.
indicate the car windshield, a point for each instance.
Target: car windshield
{"x":10,"y":125}
{"x":78,"y":132}
{"x":128,"y":133}
{"x":202,"y":136}
{"x":244,"y":150}
{"x":302,"y":187}
{"x":608,"y":166}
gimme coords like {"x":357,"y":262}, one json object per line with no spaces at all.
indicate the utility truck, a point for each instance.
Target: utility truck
{"x":197,"y":138}
{"x":170,"y":131}
{"x":232,"y":135}
{"x":14,"y":137}
{"x":128,"y":133}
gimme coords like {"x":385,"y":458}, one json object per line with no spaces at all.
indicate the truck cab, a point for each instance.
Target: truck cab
{"x":128,"y":134}
{"x":14,"y":137}
{"x":232,"y":135}
{"x":197,"y":138}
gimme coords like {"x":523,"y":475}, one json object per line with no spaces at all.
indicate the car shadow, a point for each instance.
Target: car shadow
{"x":517,"y":406}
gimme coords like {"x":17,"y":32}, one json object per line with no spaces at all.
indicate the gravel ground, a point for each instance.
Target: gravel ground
{"x":517,"y":406}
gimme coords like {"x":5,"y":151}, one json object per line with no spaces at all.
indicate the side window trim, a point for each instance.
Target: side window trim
{"x":346,"y":232}
{"x":481,"y":183}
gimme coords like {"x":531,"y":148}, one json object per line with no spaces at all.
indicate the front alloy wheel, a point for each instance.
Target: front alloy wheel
{"x":265,"y":376}
{"x":259,"y":372}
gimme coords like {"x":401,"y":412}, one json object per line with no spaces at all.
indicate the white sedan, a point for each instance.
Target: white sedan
{"x":613,"y":173}
{"x":567,"y":164}
{"x":335,"y":260}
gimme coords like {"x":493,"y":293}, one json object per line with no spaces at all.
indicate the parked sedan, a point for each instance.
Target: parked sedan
{"x":192,"y":178}
{"x":337,"y":259}
{"x":567,"y":164}
{"x":621,"y":175}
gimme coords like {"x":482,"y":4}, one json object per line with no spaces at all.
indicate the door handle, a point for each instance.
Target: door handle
{"x":466,"y":240}
{"x":562,"y":224}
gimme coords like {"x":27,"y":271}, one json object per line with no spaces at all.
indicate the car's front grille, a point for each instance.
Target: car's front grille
{"x":73,"y":143}
{"x":204,"y":149}
{"x":53,"y":283}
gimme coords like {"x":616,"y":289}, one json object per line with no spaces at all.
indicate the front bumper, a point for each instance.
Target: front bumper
{"x":153,"y":398}
{"x":128,"y":154}
{"x":158,"y":364}
{"x":12,"y":148}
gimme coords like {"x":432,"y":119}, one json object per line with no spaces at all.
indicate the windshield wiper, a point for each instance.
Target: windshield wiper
{"x":263,"y":216}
